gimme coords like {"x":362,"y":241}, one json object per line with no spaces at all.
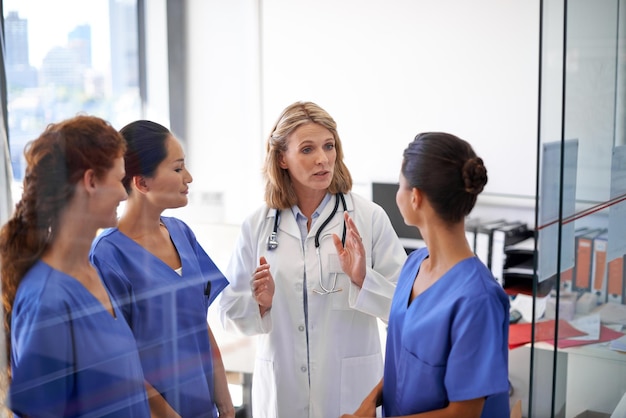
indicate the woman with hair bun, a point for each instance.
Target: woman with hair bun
{"x":447,"y":342}
{"x":70,"y":351}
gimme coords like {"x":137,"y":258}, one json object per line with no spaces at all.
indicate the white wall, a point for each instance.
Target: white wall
{"x":385,"y":69}
{"x":223,"y":118}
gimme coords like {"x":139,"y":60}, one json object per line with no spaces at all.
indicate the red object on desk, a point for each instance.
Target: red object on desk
{"x":606,"y":334}
{"x":520,"y":334}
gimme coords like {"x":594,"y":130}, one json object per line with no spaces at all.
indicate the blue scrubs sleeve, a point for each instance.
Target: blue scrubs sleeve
{"x":216,"y":281}
{"x":478,"y":362}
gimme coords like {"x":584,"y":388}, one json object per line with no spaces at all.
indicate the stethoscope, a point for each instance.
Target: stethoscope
{"x":272,"y":243}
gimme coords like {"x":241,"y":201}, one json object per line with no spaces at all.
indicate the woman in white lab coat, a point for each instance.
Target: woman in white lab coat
{"x":312,"y":271}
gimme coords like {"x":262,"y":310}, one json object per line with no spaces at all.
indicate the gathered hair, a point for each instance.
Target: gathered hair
{"x":279,"y":191}
{"x":55,"y":163}
{"x":447,"y":170}
{"x":146,"y":149}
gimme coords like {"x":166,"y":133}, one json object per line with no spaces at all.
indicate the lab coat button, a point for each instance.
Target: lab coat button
{"x":303,"y":368}
{"x":301,"y":328}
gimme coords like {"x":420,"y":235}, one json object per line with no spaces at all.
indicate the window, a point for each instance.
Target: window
{"x":68,"y":57}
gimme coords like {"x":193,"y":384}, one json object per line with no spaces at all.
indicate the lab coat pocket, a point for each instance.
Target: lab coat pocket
{"x":340,"y":300}
{"x":264,"y":388}
{"x":359,"y":375}
{"x":340,"y":280}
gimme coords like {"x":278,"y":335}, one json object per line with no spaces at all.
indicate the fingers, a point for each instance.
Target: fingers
{"x":351,"y":228}
{"x":355,"y":236}
{"x":262,"y":270}
{"x":262,"y":283}
{"x":261,"y":279}
{"x":338,"y":243}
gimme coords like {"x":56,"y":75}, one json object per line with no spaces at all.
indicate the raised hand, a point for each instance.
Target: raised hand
{"x":352,"y":254}
{"x":262,"y":285}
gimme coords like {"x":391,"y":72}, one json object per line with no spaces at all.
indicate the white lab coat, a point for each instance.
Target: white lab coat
{"x":345,"y":359}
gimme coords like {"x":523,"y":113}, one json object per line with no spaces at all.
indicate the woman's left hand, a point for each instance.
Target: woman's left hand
{"x":352,"y":254}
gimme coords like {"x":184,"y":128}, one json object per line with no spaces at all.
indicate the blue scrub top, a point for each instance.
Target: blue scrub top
{"x":69,"y":356}
{"x":449,"y":344}
{"x":167,"y":312}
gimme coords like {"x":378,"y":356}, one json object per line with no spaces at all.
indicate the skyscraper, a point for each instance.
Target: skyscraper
{"x":16,"y":32}
{"x":19,"y":72}
{"x":79,"y":40}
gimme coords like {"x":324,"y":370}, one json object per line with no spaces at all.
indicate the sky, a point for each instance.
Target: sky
{"x":49,"y":23}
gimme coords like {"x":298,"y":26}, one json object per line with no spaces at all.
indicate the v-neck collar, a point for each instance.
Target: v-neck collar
{"x":158,"y":260}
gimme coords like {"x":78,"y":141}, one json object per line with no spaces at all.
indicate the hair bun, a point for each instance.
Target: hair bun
{"x":474,"y":175}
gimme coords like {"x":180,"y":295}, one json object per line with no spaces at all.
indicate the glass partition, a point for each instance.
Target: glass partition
{"x":577,"y":356}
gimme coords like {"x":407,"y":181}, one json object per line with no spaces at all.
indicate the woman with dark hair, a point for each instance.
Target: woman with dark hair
{"x":70,"y":355}
{"x":447,"y":341}
{"x":155,"y":265}
{"x":306,"y":280}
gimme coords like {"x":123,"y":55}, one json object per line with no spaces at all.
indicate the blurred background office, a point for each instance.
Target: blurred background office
{"x":218,"y":71}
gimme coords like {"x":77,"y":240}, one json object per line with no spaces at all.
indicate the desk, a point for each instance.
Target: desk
{"x":587,"y":377}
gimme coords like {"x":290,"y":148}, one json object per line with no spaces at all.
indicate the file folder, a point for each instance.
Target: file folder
{"x":567,"y":276}
{"x":616,"y":282}
{"x":599,"y":266}
{"x":581,"y":280}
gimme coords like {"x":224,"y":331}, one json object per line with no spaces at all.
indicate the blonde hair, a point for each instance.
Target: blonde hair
{"x":279,"y":191}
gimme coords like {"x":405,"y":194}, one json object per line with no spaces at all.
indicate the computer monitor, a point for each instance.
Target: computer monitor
{"x":384,"y":194}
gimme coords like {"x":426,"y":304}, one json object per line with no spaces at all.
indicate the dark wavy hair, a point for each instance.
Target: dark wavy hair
{"x":56,"y":161}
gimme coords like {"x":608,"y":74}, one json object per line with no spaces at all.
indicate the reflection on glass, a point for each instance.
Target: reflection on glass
{"x":59,"y":64}
{"x":582,"y":97}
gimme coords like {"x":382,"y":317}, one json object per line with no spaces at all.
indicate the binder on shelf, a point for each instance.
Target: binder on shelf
{"x":567,"y":276}
{"x":616,"y":281}
{"x":502,"y":237}
{"x":599,"y":266}
{"x":581,"y":278}
{"x":484,"y":234}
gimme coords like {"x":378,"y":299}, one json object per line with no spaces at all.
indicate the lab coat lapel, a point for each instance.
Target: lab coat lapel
{"x":326,"y":212}
{"x":287,"y":224}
